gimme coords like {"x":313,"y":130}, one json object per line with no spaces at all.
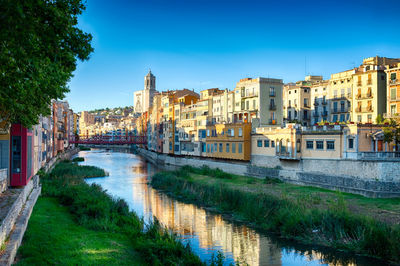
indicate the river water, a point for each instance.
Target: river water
{"x":206,"y":232}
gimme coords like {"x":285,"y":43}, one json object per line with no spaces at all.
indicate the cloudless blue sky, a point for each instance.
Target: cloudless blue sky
{"x":214,"y":43}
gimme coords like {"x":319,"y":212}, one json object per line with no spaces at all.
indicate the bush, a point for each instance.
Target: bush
{"x":78,"y":159}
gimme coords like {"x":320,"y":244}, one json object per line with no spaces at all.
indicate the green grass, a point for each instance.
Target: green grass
{"x":92,"y":209}
{"x":307,"y":214}
{"x":54,"y":237}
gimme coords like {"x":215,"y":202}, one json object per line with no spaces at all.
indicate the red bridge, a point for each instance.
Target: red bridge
{"x":110,"y":140}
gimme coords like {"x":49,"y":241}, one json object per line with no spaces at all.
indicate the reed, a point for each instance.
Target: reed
{"x":291,"y":218}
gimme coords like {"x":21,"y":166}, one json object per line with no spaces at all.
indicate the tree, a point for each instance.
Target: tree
{"x":39,"y":47}
{"x":391,"y":133}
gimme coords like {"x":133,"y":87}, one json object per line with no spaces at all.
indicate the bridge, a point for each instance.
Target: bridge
{"x":109,"y":140}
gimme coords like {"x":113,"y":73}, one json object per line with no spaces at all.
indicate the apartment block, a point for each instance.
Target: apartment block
{"x":393,"y":91}
{"x":258,"y":101}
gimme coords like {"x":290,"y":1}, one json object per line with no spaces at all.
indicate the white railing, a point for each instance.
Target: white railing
{"x":378,"y":155}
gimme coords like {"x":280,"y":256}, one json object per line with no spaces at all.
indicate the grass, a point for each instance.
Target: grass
{"x":309,"y":215}
{"x":54,"y":237}
{"x":78,"y":159}
{"x":93,"y":210}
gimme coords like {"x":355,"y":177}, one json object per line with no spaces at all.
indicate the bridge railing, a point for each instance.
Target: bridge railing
{"x":109,"y":140}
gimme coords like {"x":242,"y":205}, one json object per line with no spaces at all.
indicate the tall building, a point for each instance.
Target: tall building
{"x":258,"y":101}
{"x":143,"y":99}
{"x":393,"y":90}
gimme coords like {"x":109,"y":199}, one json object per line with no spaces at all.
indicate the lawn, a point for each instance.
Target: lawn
{"x":54,"y":237}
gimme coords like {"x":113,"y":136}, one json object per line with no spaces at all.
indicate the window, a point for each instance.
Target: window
{"x":393,"y":93}
{"x":227,"y":147}
{"x":320,"y":145}
{"x":351,"y":143}
{"x":259,"y":143}
{"x":233,"y":147}
{"x":240,"y":147}
{"x":393,"y":76}
{"x":272,"y":144}
{"x":342,"y":118}
{"x":203,"y":147}
{"x":369,"y":118}
{"x":215,"y":147}
{"x":393,"y":109}
{"x":266,"y":143}
{"x":310,"y":144}
{"x":170,"y":146}
{"x":335,"y":105}
{"x":240,"y":132}
{"x":359,"y":118}
{"x":330,"y":144}
{"x":247,"y":105}
{"x":208,"y":132}
{"x":220,"y":147}
{"x":16,"y":154}
{"x":335,"y":118}
{"x":176,"y":147}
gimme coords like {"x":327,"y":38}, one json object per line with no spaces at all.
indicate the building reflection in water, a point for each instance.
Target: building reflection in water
{"x":209,"y":230}
{"x":206,"y":232}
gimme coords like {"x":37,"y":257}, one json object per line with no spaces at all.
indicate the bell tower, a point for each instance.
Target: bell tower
{"x":150,"y":82}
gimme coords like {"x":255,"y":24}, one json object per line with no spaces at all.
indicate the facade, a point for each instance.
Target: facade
{"x":297,"y":103}
{"x":393,"y":91}
{"x":143,"y":99}
{"x":258,"y":101}
{"x":228,"y":141}
{"x":340,"y":96}
{"x":320,"y":111}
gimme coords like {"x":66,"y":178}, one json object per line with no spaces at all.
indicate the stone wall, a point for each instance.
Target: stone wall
{"x":3,"y":179}
{"x":368,"y":178}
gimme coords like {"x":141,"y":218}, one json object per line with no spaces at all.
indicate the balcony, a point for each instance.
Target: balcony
{"x":324,"y":113}
{"x":324,"y":102}
{"x":364,"y":96}
{"x":368,"y":109}
{"x":394,"y":81}
{"x":250,"y":95}
{"x":369,"y":82}
{"x":359,"y":83}
{"x":341,"y":110}
{"x":316,"y":103}
{"x":315,"y":114}
{"x":272,"y":94}
{"x":272,"y":107}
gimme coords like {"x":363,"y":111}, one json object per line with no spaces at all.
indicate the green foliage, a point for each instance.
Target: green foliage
{"x":207,"y":171}
{"x":94,"y":209}
{"x":379,"y":119}
{"x":292,"y":218}
{"x":84,"y":148}
{"x":391,"y":133}
{"x":40,"y":45}
{"x":78,"y":159}
{"x":54,"y":238}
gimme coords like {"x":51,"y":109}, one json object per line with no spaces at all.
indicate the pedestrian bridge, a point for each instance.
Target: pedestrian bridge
{"x":109,"y":140}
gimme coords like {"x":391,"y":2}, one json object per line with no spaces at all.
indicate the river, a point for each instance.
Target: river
{"x":206,"y":232}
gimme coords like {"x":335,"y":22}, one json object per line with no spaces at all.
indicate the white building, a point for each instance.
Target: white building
{"x":143,"y":99}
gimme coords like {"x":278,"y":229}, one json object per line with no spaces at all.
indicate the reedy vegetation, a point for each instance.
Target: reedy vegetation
{"x":93,"y":208}
{"x":291,"y":218}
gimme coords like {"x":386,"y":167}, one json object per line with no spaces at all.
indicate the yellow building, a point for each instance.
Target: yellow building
{"x":393,"y":91}
{"x":284,"y":143}
{"x":228,"y":141}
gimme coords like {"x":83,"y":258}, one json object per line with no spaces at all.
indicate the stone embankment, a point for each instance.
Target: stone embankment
{"x":378,"y":179}
{"x":17,"y":211}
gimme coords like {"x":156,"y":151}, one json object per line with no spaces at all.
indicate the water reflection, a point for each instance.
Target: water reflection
{"x":206,"y":232}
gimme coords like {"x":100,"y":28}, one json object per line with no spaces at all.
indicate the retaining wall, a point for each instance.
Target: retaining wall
{"x":368,"y":178}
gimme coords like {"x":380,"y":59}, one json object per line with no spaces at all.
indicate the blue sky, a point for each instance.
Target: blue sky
{"x":205,"y":44}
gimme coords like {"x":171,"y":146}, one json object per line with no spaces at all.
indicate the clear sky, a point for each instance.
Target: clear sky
{"x":204,"y":44}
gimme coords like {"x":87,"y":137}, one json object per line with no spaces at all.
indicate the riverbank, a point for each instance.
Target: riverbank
{"x":309,"y":215}
{"x":90,"y":210}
